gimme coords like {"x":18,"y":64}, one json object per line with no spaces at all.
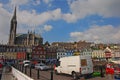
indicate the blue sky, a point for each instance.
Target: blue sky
{"x":63,"y":20}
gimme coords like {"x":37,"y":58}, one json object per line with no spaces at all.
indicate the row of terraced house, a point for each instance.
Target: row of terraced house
{"x":57,"y":50}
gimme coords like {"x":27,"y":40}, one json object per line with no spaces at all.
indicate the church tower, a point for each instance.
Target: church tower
{"x":13,"y":28}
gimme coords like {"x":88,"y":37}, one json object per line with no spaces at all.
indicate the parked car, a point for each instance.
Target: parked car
{"x":26,"y":63}
{"x":117,"y":71}
{"x":42,"y":66}
{"x":31,"y":65}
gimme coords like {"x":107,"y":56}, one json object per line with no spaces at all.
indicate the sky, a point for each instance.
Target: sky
{"x":63,"y":20}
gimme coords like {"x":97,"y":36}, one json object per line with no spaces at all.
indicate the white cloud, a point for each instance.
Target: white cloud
{"x":34,"y":19}
{"x":106,"y":34}
{"x":47,"y":27}
{"x":56,"y":14}
{"x":46,"y":1}
{"x":4,"y":24}
{"x":76,"y":34}
{"x":105,"y":8}
{"x":69,"y":17}
{"x":36,"y":2}
{"x":18,"y":2}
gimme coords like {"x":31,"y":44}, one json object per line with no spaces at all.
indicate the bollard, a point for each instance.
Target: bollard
{"x":101,"y":69}
{"x":19,"y":67}
{"x":25,"y":70}
{"x":16,"y":66}
{"x":30,"y":71}
{"x":51,"y":75}
{"x":22,"y":68}
{"x":38,"y":74}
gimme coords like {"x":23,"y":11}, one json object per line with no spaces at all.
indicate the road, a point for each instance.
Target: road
{"x":46,"y":75}
{"x":0,"y":73}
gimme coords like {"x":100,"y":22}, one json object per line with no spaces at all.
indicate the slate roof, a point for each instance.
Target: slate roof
{"x":25,"y":35}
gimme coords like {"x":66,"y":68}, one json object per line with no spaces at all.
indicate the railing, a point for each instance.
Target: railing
{"x":19,"y":75}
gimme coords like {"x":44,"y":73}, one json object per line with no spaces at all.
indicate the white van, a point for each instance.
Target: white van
{"x":75,"y":65}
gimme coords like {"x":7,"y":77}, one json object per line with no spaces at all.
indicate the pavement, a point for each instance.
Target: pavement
{"x":0,"y":73}
{"x":7,"y":75}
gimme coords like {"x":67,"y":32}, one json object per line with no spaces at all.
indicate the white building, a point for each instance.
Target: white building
{"x":86,"y":52}
{"x":99,"y":54}
{"x":63,"y":53}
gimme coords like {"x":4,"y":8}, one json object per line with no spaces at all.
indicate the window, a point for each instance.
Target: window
{"x":83,"y":62}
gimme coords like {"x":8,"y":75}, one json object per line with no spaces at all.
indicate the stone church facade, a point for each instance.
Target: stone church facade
{"x":28,"y":39}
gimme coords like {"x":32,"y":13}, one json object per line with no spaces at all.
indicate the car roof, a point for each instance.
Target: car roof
{"x":26,"y":61}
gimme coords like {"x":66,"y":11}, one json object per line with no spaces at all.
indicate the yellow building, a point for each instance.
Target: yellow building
{"x":10,"y":55}
{"x":98,"y":54}
{"x":76,"y":53}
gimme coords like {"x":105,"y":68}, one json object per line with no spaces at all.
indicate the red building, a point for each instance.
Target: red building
{"x":51,"y":54}
{"x":21,"y":55}
{"x":108,"y":53}
{"x":38,"y":53}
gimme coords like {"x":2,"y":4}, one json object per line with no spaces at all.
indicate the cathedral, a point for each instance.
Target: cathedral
{"x":28,"y":39}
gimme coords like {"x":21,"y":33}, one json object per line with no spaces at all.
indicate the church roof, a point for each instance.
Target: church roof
{"x":25,"y":35}
{"x":38,"y":36}
{"x":21,"y":35}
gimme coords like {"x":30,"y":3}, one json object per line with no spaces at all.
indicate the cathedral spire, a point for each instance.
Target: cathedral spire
{"x":14,"y":16}
{"x":13,"y":28}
